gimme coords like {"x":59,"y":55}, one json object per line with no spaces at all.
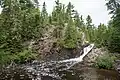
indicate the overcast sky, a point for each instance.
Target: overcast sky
{"x":95,"y":8}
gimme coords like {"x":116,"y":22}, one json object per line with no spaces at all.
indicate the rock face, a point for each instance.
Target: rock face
{"x":93,"y":55}
{"x":48,"y":47}
{"x":44,"y":45}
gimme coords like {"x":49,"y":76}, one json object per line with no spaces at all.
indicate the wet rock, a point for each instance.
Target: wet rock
{"x":93,"y":55}
{"x":117,"y":65}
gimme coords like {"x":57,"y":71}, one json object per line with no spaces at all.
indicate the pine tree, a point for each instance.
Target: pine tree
{"x":89,"y":21}
{"x":82,"y":24}
{"x":58,"y":18}
{"x":112,"y":5}
{"x":101,"y":35}
{"x":114,"y":40}
{"x":88,"y":28}
{"x":44,"y":15}
{"x":70,"y":35}
{"x":69,"y":10}
{"x":20,"y":22}
{"x":77,"y":20}
{"x":56,"y":11}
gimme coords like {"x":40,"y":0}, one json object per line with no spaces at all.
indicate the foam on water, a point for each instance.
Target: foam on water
{"x":86,"y":50}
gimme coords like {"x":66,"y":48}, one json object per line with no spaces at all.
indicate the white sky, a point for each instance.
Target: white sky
{"x":95,"y":8}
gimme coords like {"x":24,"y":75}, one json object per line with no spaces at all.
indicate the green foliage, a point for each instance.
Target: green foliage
{"x":102,"y":35}
{"x":44,"y":15}
{"x":70,"y":35}
{"x":98,"y":35}
{"x":19,"y":22}
{"x":114,"y":39}
{"x":58,"y":13}
{"x":105,"y":61}
{"x":69,"y":10}
{"x":114,"y":42}
{"x":77,"y":20}
{"x":113,"y":5}
{"x":60,"y":42}
{"x":25,"y":55}
{"x":89,"y":21}
{"x":58,"y":18}
{"x":4,"y":58}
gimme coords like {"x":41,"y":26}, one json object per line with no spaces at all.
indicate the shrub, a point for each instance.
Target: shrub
{"x":26,"y":55}
{"x":4,"y":58}
{"x":105,"y":62}
{"x":7,"y":57}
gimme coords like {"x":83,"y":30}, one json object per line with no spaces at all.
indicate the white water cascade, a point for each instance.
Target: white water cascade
{"x":86,"y":50}
{"x":74,"y":61}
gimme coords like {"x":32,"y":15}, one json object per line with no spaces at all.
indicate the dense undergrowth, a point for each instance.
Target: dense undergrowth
{"x":106,"y":61}
{"x":21,"y":57}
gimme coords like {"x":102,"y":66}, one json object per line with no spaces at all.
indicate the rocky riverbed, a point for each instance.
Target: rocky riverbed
{"x":52,"y":70}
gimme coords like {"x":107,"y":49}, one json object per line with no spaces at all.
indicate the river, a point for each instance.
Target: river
{"x":56,"y":72}
{"x":69,"y":69}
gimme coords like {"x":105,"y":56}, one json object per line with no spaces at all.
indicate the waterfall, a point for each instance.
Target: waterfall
{"x":52,"y":68}
{"x":86,"y":50}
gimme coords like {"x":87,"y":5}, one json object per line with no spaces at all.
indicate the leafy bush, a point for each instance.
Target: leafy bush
{"x":60,"y":42}
{"x":70,"y":43}
{"x":7,"y":57}
{"x":105,"y":62}
{"x":26,"y":55}
{"x":4,"y":57}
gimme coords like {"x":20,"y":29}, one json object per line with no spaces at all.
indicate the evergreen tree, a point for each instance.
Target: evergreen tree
{"x":77,"y":19}
{"x":56,"y":11}
{"x":69,"y":10}
{"x":112,"y":5}
{"x":102,"y":35}
{"x":114,"y":40}
{"x":44,"y":15}
{"x":58,"y":18}
{"x":89,"y":21}
{"x":88,"y":28}
{"x":70,"y":35}
{"x":20,"y":22}
{"x":82,"y":24}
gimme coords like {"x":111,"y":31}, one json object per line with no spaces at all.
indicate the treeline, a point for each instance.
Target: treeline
{"x":22,"y":21}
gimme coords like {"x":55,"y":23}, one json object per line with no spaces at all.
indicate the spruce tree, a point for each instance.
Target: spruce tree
{"x":77,"y":20}
{"x":70,"y":35}
{"x":56,"y":12}
{"x":69,"y":10}
{"x":114,"y":40}
{"x":20,"y":23}
{"x":89,"y":28}
{"x":58,"y":18}
{"x":44,"y":15}
{"x":101,"y":35}
{"x":89,"y":21}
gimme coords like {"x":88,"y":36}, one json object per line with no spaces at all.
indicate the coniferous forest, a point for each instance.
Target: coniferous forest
{"x":25,"y":28}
